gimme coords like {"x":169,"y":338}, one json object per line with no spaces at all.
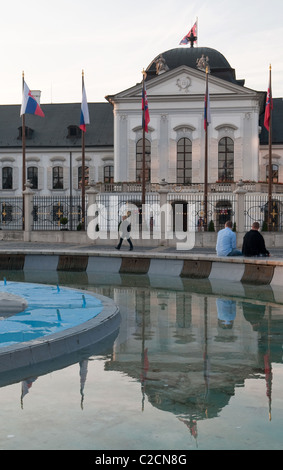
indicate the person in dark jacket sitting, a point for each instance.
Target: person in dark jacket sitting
{"x":253,"y":243}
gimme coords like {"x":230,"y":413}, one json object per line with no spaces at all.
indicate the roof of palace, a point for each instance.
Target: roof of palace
{"x":59,"y":127}
{"x":194,"y":57}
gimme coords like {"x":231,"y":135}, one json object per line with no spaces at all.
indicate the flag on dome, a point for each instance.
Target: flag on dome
{"x":146,"y":117}
{"x":194,"y":31}
{"x":268,"y":106}
{"x":29,"y":103}
{"x":84,"y":112}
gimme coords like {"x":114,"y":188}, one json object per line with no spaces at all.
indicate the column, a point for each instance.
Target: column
{"x":28,"y":211}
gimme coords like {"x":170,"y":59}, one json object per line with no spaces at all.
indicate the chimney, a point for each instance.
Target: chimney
{"x":36,"y":94}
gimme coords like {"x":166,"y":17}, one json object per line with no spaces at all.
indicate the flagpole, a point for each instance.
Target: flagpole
{"x":270,"y":182}
{"x":23,"y":151}
{"x":143,"y":142}
{"x":206,"y":154}
{"x":83,"y":168}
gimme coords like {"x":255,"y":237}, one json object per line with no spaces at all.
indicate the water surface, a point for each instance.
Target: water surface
{"x":195,"y":365}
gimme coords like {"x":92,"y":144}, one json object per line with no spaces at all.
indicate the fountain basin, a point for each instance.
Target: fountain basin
{"x":57,"y":322}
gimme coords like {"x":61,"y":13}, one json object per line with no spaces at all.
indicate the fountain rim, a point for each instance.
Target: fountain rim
{"x":56,"y":344}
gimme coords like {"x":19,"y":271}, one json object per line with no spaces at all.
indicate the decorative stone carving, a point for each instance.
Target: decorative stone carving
{"x":202,"y":63}
{"x":161,"y":65}
{"x":184,"y":84}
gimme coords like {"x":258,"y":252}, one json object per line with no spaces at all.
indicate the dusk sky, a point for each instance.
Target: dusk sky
{"x":52,"y":41}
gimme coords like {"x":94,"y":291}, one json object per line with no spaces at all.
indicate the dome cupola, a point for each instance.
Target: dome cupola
{"x":196,"y":58}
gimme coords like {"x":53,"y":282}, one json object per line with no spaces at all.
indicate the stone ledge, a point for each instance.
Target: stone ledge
{"x":195,"y":266}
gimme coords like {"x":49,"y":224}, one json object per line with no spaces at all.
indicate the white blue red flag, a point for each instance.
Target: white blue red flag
{"x":84,"y":112}
{"x":29,"y":103}
{"x":194,"y":31}
{"x":146,"y":117}
{"x":268,"y":108}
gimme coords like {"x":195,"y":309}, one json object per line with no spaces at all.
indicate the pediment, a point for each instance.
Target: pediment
{"x":185,"y":81}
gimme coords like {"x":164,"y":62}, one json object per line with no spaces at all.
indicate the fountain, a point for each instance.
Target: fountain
{"x":40,"y":323}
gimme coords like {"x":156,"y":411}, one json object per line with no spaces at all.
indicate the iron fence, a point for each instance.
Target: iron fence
{"x":220,"y":208}
{"x":11,"y":213}
{"x":57,"y":212}
{"x":256,"y":210}
{"x":65,"y":212}
{"x":111,"y":208}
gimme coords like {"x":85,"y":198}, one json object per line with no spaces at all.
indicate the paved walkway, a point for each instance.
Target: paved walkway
{"x":36,"y":248}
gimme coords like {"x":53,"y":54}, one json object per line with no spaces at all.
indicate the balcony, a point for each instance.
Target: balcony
{"x":218,"y":187}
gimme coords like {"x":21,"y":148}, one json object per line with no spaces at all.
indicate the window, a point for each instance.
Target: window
{"x":108,"y":174}
{"x":32,"y":175}
{"x":275,"y":173}
{"x":226,"y":159}
{"x":74,"y":132}
{"x":139,"y":161}
{"x":7,"y":178}
{"x":184,"y":161}
{"x":80,"y":175}
{"x":28,"y":133}
{"x":57,"y":177}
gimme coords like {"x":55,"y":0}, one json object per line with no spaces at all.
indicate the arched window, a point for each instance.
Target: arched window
{"x":80,"y":176}
{"x":226,"y":159}
{"x":7,"y":177}
{"x":108,"y":174}
{"x":184,"y":161}
{"x":32,"y":175}
{"x":139,"y":160}
{"x":275,"y":173}
{"x":57,"y":177}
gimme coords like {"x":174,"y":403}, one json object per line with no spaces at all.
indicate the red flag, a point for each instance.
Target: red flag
{"x":146,"y":118}
{"x":194,"y":31}
{"x":268,"y":106}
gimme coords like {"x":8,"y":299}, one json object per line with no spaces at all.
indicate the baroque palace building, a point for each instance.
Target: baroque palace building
{"x":175,"y":142}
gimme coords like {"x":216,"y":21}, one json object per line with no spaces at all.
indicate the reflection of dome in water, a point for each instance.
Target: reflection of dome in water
{"x":11,"y":304}
{"x":195,"y":58}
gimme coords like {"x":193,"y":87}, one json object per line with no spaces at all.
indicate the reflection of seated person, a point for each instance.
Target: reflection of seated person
{"x":254,"y":314}
{"x":253,"y":243}
{"x":226,"y":310}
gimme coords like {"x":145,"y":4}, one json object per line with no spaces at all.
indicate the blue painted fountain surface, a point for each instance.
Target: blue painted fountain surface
{"x":50,"y":309}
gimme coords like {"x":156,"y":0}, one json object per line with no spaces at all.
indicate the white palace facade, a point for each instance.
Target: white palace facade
{"x":176,"y":136}
{"x":175,"y":142}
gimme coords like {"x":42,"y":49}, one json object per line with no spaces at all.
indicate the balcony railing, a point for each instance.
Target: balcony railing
{"x":218,"y":187}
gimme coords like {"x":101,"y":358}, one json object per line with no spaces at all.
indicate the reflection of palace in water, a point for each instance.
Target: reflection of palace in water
{"x":190,"y":351}
{"x":189,"y":345}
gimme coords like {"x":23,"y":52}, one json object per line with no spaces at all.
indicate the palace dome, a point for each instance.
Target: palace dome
{"x":189,"y":56}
